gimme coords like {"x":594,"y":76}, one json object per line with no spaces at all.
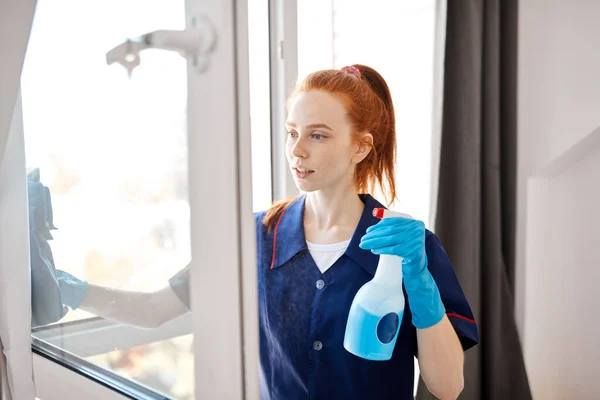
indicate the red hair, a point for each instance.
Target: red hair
{"x":368,"y":102}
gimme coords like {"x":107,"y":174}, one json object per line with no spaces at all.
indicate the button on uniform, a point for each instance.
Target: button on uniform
{"x":317,"y":345}
{"x":320,"y":284}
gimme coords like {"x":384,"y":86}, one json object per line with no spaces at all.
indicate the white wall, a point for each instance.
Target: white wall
{"x":558,"y":265}
{"x":15,"y":23}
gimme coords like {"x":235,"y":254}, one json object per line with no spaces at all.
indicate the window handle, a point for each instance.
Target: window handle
{"x":195,"y":43}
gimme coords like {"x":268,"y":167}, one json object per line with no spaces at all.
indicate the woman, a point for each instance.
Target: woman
{"x":316,"y":250}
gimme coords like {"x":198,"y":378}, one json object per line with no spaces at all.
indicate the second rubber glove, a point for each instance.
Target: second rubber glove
{"x":72,"y":289}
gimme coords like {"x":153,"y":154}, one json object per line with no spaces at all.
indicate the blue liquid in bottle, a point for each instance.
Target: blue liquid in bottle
{"x":372,"y":336}
{"x":376,"y":312}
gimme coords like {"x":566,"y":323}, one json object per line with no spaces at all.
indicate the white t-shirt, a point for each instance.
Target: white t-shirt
{"x":325,"y":255}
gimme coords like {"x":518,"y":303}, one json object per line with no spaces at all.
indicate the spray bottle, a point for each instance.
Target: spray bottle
{"x":378,"y":307}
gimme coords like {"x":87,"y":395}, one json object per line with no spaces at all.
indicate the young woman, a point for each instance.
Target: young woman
{"x":316,"y":250}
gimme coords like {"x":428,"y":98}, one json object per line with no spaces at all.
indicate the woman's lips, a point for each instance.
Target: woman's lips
{"x":302,"y":174}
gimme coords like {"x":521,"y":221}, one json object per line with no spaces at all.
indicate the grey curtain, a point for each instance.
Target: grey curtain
{"x":477,"y":179}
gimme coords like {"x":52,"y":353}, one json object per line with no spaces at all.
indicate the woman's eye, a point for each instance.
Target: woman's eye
{"x":292,"y":134}
{"x":318,"y":136}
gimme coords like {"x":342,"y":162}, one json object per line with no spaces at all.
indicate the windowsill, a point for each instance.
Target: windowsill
{"x":94,"y":373}
{"x":93,"y":336}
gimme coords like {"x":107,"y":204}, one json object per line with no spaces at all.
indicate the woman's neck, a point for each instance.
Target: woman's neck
{"x":331,"y":217}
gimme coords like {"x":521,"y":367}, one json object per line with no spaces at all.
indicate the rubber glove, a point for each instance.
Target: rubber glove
{"x":406,"y":238}
{"x":72,"y":289}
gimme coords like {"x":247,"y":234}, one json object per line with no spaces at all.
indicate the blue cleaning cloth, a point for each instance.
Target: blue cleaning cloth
{"x":46,"y":301}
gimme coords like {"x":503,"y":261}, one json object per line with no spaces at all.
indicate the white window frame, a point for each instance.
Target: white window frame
{"x":283,"y":33}
{"x":15,"y":301}
{"x":223,"y":243}
{"x":224,"y":296}
{"x":54,"y":382}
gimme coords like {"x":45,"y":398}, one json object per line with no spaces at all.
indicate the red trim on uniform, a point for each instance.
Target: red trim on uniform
{"x":275,"y":240}
{"x":461,"y":317}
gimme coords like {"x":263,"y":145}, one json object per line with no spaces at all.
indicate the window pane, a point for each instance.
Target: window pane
{"x":260,"y":103}
{"x":113,"y":153}
{"x":397,"y":39}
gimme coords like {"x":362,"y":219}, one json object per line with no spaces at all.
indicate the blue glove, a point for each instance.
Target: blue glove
{"x":406,"y":238}
{"x":72,"y":290}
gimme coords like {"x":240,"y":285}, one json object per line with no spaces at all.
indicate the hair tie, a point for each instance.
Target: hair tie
{"x":352,"y":70}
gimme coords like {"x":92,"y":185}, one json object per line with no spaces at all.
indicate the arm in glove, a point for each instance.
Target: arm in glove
{"x":140,"y":309}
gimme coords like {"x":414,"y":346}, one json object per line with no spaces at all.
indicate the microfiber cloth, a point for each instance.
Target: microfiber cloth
{"x":46,"y":302}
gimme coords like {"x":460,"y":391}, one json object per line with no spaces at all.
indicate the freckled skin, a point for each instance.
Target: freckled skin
{"x":332,"y":154}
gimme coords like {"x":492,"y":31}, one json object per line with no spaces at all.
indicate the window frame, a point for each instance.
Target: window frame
{"x":93,"y":336}
{"x":283,"y":51}
{"x":233,"y":371}
{"x":232,"y":344}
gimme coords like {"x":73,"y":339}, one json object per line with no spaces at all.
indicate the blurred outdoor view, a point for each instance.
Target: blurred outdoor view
{"x":113,"y":153}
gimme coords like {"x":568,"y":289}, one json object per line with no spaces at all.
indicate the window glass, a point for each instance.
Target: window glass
{"x":107,"y":163}
{"x":112,"y":152}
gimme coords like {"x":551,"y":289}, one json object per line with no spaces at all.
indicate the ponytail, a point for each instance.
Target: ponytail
{"x":379,"y":167}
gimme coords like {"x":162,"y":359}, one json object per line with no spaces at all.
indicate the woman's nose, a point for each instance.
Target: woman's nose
{"x":299,"y":150}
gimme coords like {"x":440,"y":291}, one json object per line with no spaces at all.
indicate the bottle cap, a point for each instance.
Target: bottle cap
{"x":378,"y":212}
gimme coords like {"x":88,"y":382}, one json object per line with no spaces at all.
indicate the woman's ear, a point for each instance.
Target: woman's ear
{"x":363,"y":148}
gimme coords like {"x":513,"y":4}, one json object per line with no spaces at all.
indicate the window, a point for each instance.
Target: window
{"x":397,"y":39}
{"x":113,"y":152}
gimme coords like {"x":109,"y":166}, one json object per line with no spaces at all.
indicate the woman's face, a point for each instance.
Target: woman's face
{"x":321,"y":150}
